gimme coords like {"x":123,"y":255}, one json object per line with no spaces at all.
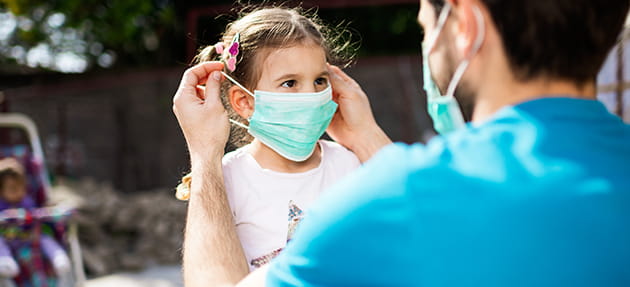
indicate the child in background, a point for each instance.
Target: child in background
{"x":278,"y":91}
{"x":13,"y":194}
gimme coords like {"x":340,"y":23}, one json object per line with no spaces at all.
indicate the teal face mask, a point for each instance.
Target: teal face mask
{"x":444,"y":109}
{"x":290,"y":123}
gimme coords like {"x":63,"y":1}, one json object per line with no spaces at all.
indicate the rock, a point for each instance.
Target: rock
{"x":124,"y":232}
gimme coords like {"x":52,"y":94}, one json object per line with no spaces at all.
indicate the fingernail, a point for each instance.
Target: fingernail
{"x":216,"y":75}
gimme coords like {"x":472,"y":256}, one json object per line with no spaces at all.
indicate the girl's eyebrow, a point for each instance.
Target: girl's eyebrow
{"x":324,"y":73}
{"x":286,"y":76}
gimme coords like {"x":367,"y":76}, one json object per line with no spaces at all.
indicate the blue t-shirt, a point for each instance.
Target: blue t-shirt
{"x":537,"y":196}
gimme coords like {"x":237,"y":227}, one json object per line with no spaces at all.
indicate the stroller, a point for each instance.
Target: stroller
{"x":23,"y":228}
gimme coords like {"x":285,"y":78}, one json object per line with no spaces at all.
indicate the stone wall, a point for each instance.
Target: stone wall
{"x":119,"y":231}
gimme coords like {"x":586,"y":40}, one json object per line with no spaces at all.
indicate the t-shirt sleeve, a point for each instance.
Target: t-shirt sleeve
{"x":351,"y":160}
{"x":232,"y":164}
{"x":343,"y":159}
{"x":358,"y":228}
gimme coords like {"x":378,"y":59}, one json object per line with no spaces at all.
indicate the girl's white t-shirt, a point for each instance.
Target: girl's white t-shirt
{"x":267,"y":205}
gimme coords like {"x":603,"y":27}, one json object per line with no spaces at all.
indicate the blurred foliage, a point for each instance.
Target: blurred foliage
{"x":76,"y":35}
{"x":380,"y":30}
{"x":82,"y":35}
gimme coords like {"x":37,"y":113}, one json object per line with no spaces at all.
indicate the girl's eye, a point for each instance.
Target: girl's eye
{"x":289,"y":84}
{"x":321,"y":81}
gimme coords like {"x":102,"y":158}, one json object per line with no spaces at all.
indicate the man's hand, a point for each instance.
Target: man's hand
{"x":200,"y":113}
{"x":353,"y":126}
{"x":212,"y":255}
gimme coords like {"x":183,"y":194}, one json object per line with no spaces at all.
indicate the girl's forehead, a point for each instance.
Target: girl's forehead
{"x":295,"y":59}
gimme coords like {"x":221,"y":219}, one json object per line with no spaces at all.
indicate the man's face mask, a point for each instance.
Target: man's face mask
{"x":289,"y":123}
{"x":444,"y":109}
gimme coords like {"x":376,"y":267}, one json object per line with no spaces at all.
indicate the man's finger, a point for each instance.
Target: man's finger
{"x":339,"y":84}
{"x":336,"y":71}
{"x":195,"y":75}
{"x":212,"y":90}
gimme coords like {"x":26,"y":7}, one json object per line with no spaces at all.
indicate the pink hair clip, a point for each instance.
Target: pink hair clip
{"x":219,"y":47}
{"x":229,"y":54}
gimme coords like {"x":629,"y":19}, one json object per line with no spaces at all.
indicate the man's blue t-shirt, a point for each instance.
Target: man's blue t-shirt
{"x":537,"y":196}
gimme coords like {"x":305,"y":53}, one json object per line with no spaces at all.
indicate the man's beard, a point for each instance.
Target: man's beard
{"x":464,"y":96}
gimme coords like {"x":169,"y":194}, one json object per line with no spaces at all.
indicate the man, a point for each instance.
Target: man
{"x":535,"y":192}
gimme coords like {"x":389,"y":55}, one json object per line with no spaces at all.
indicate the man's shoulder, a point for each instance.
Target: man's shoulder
{"x":383,"y":178}
{"x":446,"y":161}
{"x":399,"y":161}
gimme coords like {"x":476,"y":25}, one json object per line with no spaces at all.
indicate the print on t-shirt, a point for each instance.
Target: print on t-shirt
{"x":295,"y":216}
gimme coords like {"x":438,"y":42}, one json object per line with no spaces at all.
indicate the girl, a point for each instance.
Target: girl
{"x":14,"y":194}
{"x":278,"y":91}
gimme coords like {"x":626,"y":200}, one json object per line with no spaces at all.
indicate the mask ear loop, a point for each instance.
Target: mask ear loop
{"x":238,"y":124}
{"x":244,"y":89}
{"x":237,"y":84}
{"x":438,"y":28}
{"x":459,"y":73}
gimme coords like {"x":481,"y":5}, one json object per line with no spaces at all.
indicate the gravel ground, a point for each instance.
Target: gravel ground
{"x":159,"y":276}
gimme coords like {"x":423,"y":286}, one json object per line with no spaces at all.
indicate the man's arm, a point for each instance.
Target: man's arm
{"x":213,"y":255}
{"x":354,"y":126}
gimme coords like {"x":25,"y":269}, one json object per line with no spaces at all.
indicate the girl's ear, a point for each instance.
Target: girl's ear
{"x":241,"y":101}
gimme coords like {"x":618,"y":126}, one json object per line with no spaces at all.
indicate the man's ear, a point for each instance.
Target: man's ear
{"x":467,"y":28}
{"x":241,"y":102}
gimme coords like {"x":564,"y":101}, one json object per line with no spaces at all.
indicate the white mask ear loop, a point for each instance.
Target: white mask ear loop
{"x":438,"y":28}
{"x":238,"y":124}
{"x":237,"y":83}
{"x":459,"y":73}
{"x":244,"y":89}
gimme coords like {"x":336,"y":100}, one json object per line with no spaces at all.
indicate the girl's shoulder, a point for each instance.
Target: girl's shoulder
{"x":337,"y":154}
{"x":235,"y":157}
{"x":334,"y":148}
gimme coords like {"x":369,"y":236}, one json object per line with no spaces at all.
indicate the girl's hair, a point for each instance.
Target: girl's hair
{"x":274,"y":27}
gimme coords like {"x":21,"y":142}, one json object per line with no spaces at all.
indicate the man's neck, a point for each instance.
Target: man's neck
{"x":509,"y":92}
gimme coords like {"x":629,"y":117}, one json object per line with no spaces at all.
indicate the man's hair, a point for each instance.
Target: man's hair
{"x":562,"y":39}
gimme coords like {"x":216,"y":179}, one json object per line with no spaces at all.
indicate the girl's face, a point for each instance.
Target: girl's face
{"x":297,"y":69}
{"x":13,"y":190}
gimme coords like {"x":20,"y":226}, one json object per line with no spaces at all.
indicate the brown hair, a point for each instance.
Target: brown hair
{"x":562,"y":39}
{"x":260,"y":28}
